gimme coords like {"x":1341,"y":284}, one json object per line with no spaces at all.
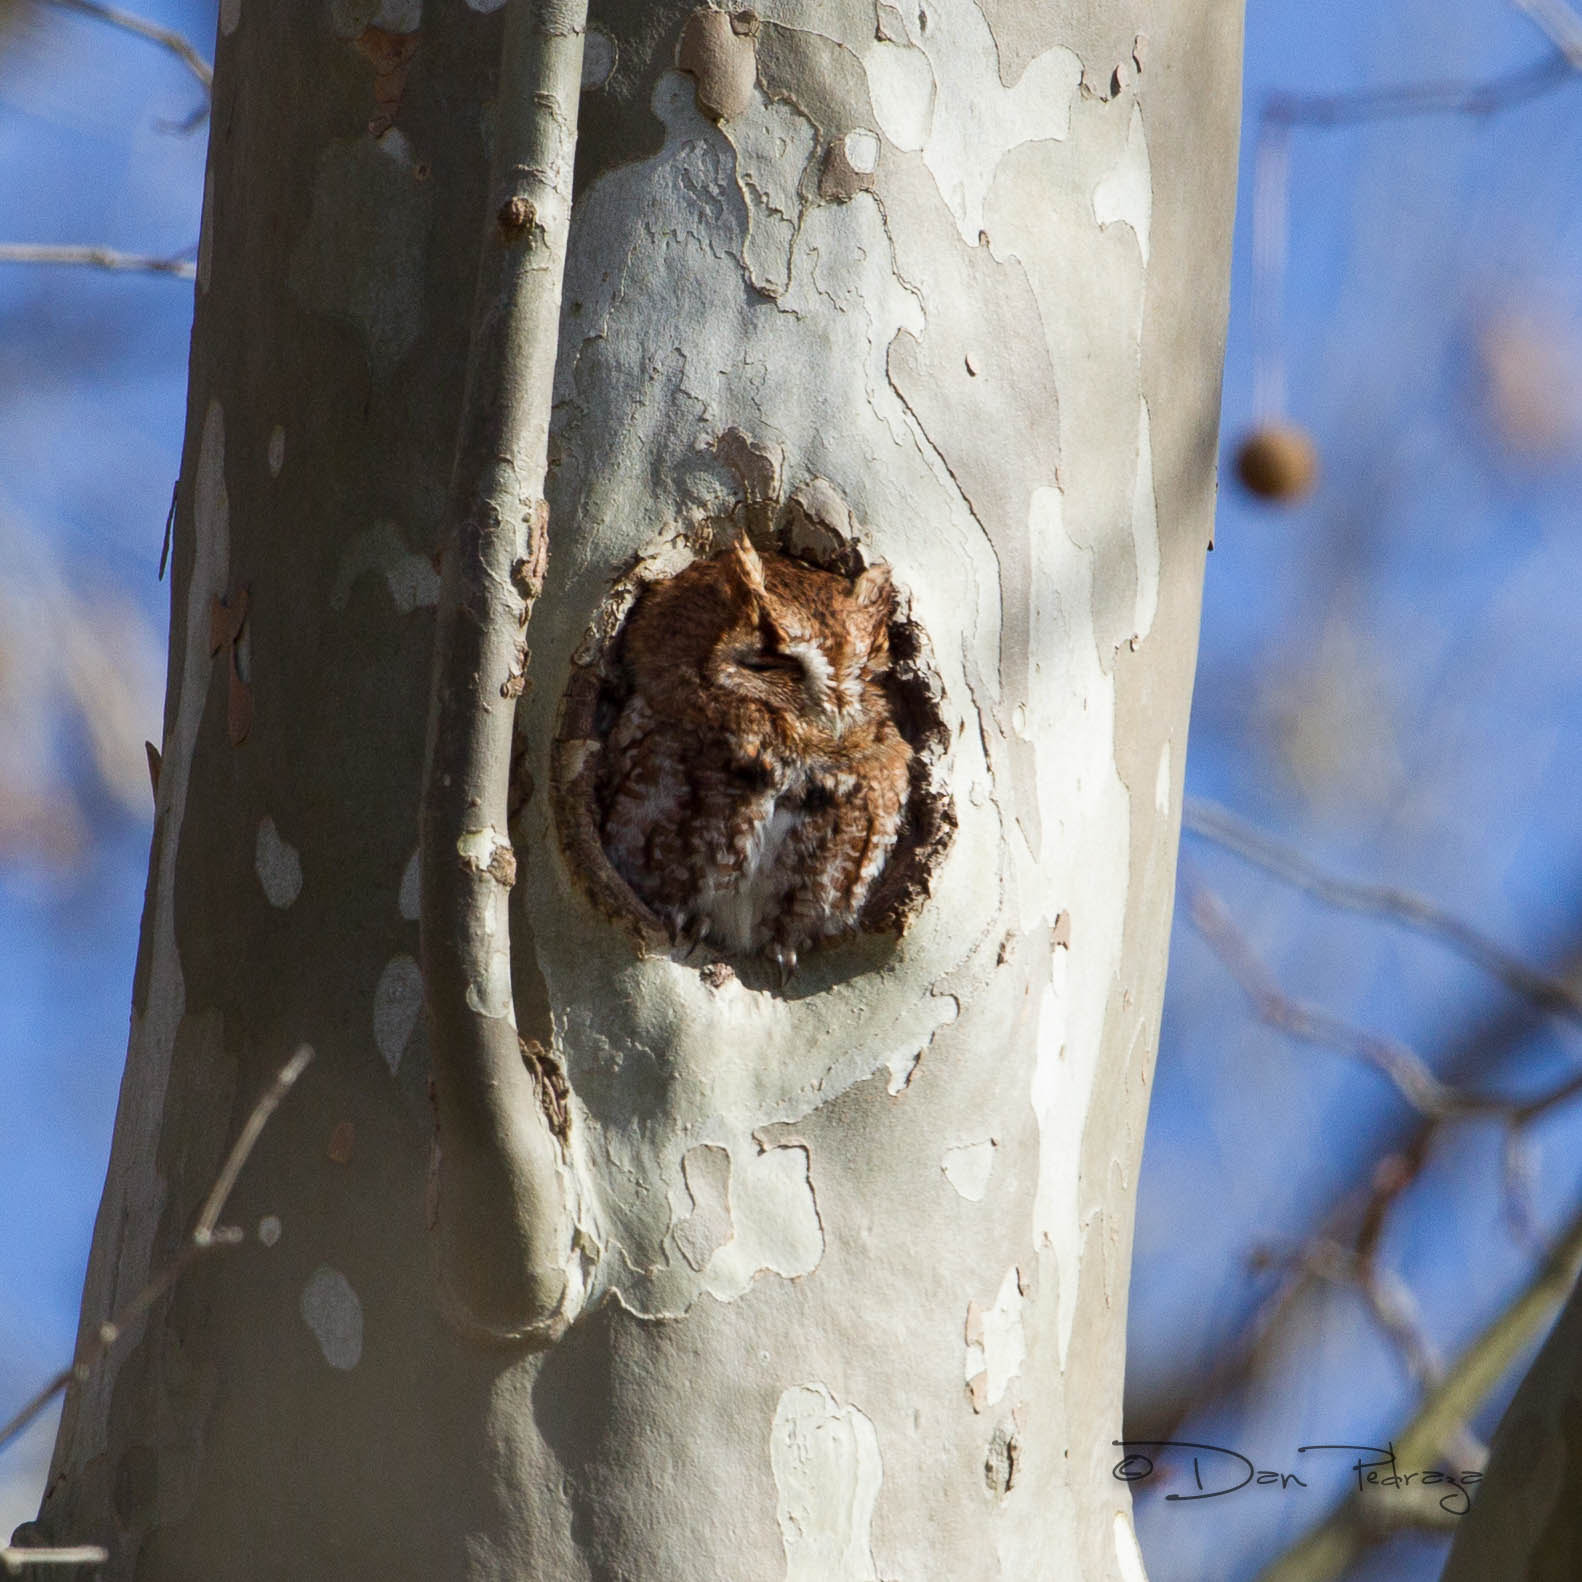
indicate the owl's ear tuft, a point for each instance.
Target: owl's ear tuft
{"x":742,"y":563}
{"x":874,"y":589}
{"x":771,"y":633}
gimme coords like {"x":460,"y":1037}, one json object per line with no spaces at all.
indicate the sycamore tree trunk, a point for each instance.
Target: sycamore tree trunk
{"x":1526,"y":1524}
{"x":828,"y":1279}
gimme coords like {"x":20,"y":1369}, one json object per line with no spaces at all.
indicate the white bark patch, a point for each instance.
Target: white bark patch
{"x":827,"y":1472}
{"x":1125,"y":194}
{"x":411,"y":579}
{"x":967,"y":1168}
{"x":1071,"y":726}
{"x":487,"y":852}
{"x":398,"y":998}
{"x":360,"y":258}
{"x":707,"y":1171}
{"x":862,"y":151}
{"x":902,"y":85}
{"x":277,"y":450}
{"x":410,"y":900}
{"x":330,"y":1308}
{"x":1162,"y":781}
{"x":1128,"y":1555}
{"x":277,"y":864}
{"x":773,"y":144}
{"x":206,"y":232}
{"x":230,"y":16}
{"x":738,"y":1210}
{"x":481,"y":848}
{"x":996,"y":1343}
{"x":490,"y":995}
{"x":774,"y":1219}
{"x":1145,"y":526}
{"x":902,"y":1068}
{"x":598,"y":58}
{"x":956,"y":56}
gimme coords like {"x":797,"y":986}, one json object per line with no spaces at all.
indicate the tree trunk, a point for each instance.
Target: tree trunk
{"x":1524,"y":1525}
{"x":846,"y":1288}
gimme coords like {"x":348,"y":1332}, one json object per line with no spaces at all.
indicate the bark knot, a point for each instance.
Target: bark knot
{"x":516,"y":216}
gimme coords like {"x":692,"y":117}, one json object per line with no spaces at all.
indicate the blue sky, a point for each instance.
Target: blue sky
{"x":1388,"y":678}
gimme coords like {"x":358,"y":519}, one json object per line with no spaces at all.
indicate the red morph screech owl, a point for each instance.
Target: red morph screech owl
{"x":754,"y":782}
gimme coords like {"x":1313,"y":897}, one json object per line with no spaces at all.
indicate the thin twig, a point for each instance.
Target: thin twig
{"x":14,"y":1561}
{"x":1402,"y":1065}
{"x":163,"y":36}
{"x":1435,"y":1100}
{"x":94,"y":257}
{"x":1398,"y":101}
{"x":1235,"y":835}
{"x":1386,"y":1296}
{"x":206,"y":1234}
{"x":1560,"y":22}
{"x":1282,"y":111}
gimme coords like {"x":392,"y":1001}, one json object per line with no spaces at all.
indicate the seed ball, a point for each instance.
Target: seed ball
{"x":1277,"y":462}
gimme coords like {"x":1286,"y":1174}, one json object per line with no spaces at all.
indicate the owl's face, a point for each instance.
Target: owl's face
{"x":803,"y":643}
{"x":740,"y":637}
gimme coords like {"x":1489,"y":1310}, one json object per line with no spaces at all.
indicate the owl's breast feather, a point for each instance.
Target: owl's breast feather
{"x":736,"y":905}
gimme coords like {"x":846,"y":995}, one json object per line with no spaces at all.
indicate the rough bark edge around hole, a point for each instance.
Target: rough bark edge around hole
{"x":803,"y":530}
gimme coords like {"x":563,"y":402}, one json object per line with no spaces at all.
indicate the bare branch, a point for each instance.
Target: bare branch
{"x":1330,"y":1547}
{"x":1225,"y":830}
{"x":1282,"y":111}
{"x":206,"y":1234}
{"x":1359,"y":1216}
{"x":503,"y":1222}
{"x":163,"y":36}
{"x":1397,"y":101}
{"x":1389,"y":1300}
{"x":1401,"y":1064}
{"x":94,"y":257}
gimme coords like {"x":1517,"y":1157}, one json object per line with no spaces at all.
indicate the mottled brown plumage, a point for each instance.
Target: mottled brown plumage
{"x":755,"y":781}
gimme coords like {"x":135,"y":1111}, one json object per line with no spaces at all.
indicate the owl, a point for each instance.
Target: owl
{"x":754,"y":781}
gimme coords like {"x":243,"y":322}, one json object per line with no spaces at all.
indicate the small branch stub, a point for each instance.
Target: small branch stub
{"x":516,"y":216}
{"x":554,"y":1093}
{"x":527,"y":574}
